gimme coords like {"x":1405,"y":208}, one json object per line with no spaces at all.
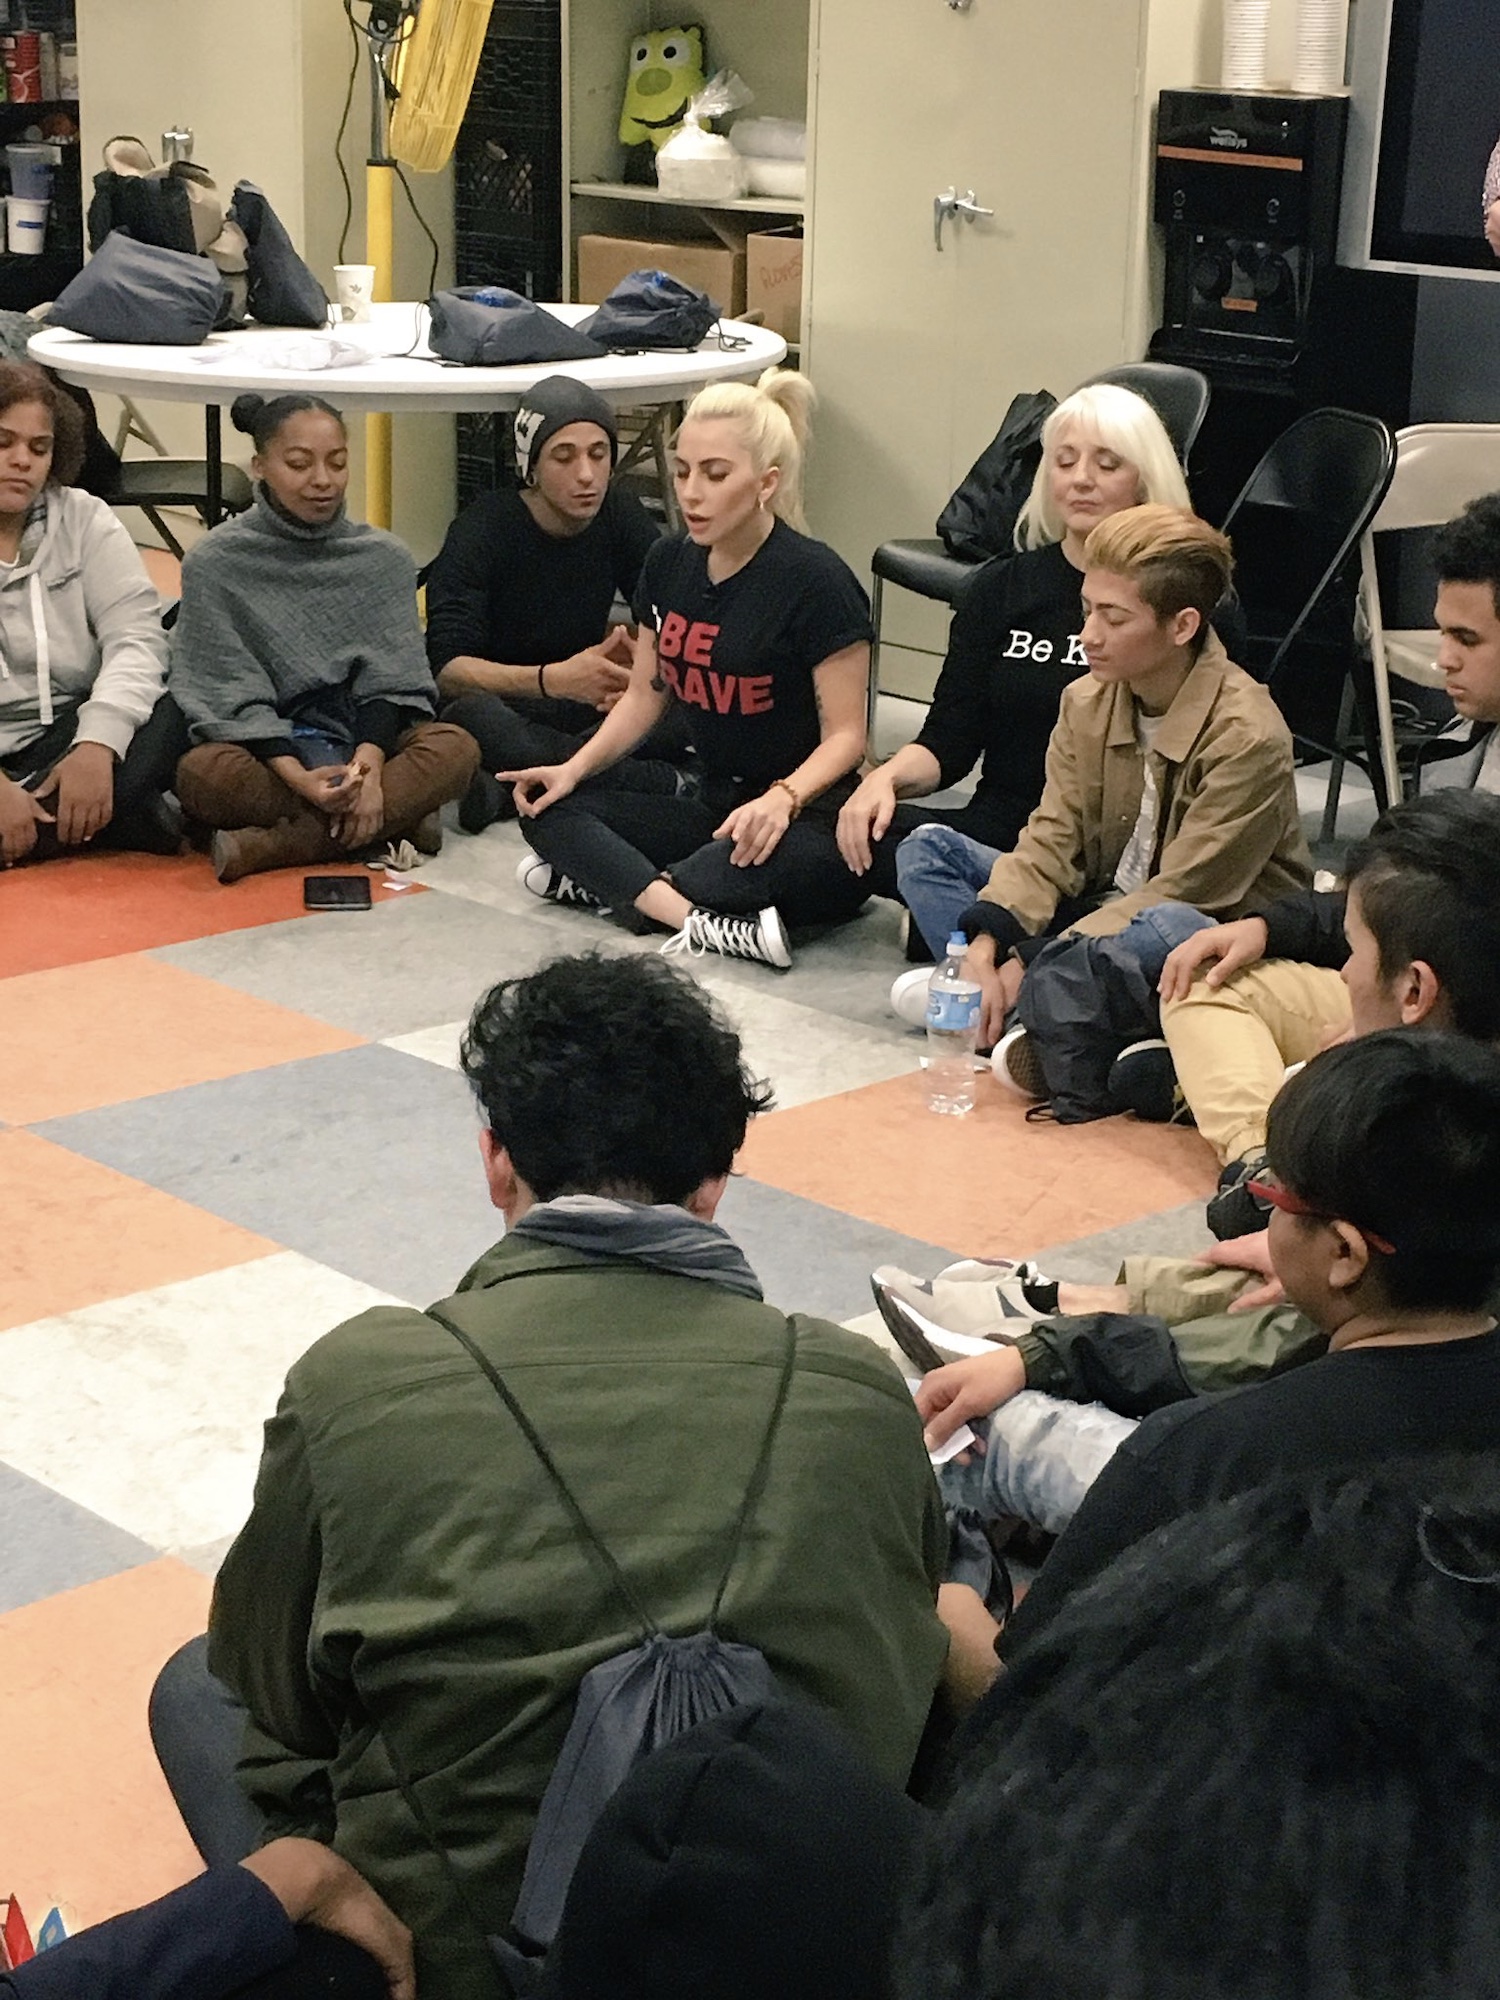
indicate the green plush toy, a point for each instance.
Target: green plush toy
{"x":666,"y":70}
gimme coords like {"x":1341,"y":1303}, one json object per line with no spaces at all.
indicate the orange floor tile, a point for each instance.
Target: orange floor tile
{"x":91,"y":1234}
{"x":99,"y":905}
{"x":986,"y":1185}
{"x":86,"y":1818}
{"x":81,"y":1036}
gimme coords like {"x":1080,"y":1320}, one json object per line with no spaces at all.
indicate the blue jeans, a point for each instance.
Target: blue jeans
{"x":1153,"y":934}
{"x":940,"y":872}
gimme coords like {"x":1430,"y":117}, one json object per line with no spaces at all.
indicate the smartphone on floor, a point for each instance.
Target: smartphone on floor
{"x":336,"y":892}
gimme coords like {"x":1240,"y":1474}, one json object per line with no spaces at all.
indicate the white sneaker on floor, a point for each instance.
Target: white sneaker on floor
{"x":909,"y":995}
{"x":760,"y":936}
{"x":1014,"y":1062}
{"x":540,"y":878}
{"x":977,"y":1296}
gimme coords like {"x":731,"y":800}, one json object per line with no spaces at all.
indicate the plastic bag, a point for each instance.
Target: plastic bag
{"x":699,"y":165}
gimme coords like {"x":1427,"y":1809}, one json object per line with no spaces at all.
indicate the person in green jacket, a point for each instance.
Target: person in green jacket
{"x":408,"y":1613}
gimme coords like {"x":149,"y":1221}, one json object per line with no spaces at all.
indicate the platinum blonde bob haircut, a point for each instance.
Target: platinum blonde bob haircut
{"x":1120,"y":421}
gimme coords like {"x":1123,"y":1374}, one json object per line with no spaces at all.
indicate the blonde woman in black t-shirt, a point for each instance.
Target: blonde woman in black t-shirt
{"x":1016,"y":640}
{"x":760,"y":637}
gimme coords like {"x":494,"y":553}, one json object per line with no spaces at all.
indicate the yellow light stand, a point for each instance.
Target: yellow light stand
{"x":380,"y":230}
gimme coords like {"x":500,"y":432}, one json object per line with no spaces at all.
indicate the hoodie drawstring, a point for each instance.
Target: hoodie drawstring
{"x":43,"y":651}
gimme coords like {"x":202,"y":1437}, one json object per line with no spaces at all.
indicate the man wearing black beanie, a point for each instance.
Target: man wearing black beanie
{"x":518,"y":601}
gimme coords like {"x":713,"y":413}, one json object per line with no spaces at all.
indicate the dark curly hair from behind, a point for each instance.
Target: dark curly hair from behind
{"x":20,"y":382}
{"x":610,"y":1075}
{"x":1259,"y":1757}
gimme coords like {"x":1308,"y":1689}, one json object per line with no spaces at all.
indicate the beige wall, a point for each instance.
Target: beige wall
{"x":261,"y":87}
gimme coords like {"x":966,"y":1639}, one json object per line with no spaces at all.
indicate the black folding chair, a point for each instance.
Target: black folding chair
{"x":154,"y":483}
{"x":1296,"y":527}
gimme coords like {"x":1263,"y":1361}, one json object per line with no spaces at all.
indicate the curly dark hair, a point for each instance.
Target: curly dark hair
{"x":1259,"y":1757}
{"x":1399,"y":1133}
{"x":23,"y":382}
{"x":610,"y":1075}
{"x":1467,"y":548}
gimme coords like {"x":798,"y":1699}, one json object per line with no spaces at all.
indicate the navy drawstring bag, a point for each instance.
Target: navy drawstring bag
{"x":486,"y":326}
{"x":651,"y":309}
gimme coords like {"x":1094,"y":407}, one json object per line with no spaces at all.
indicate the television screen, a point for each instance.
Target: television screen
{"x":1438,"y":124}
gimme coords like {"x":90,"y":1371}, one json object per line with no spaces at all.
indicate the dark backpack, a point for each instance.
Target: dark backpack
{"x":140,"y":292}
{"x":282,"y":291}
{"x":980,"y":520}
{"x":1083,"y":1001}
{"x":486,"y":326}
{"x":627,"y":1706}
{"x":650,"y":309}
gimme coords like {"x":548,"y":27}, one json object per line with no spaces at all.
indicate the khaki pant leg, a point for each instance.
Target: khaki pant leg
{"x":1230,"y":1350}
{"x":1177,"y":1289}
{"x":1232,"y":1044}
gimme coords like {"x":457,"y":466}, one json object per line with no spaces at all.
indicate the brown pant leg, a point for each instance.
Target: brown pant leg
{"x":226,"y":786}
{"x":432,"y":764}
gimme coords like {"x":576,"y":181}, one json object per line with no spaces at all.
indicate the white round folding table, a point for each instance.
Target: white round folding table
{"x":399,"y":374}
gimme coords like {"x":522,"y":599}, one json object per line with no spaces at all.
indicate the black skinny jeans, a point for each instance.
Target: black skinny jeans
{"x":513,"y":734}
{"x":615,"y":843}
{"x":141,"y":776}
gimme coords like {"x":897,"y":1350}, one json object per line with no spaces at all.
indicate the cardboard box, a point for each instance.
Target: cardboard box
{"x":773,"y":279}
{"x":707,"y":266}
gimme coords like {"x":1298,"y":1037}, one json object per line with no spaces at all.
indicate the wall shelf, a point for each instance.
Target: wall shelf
{"x":753,"y":204}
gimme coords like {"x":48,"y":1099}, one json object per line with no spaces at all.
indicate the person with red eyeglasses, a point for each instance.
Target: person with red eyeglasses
{"x":1383,"y":1156}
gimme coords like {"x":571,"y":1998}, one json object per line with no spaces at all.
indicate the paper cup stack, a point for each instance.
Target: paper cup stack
{"x":1247,"y":27}
{"x":1322,"y":30}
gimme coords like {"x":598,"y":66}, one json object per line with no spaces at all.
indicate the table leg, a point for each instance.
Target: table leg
{"x":213,"y":455}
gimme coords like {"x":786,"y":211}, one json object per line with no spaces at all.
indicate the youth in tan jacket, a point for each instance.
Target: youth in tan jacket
{"x":1228,"y":832}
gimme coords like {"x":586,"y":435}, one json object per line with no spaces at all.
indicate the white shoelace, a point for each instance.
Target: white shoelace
{"x":707,"y":930}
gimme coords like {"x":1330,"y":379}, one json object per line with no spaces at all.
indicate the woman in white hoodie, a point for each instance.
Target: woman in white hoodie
{"x":89,"y":738}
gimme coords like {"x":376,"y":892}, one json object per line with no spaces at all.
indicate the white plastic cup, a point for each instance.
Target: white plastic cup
{"x":26,"y":225}
{"x":1247,"y":30}
{"x":354,"y":286}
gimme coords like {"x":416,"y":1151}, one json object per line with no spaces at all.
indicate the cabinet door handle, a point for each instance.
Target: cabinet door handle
{"x":949,"y":204}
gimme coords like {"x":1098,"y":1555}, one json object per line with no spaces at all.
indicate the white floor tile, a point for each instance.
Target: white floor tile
{"x":148,"y":1409}
{"x":434,"y":1045}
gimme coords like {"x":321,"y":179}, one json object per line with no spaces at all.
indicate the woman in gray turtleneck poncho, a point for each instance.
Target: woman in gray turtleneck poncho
{"x":299,"y":664}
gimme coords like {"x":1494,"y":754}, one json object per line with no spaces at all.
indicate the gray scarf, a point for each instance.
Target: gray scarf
{"x":661,"y":1236}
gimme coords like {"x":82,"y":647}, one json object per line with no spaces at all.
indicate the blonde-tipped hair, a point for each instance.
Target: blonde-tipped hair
{"x":1175,"y":561}
{"x":774,"y":417}
{"x":1122,"y":422}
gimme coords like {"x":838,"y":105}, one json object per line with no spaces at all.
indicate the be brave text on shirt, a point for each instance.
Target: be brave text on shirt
{"x":684,"y":654}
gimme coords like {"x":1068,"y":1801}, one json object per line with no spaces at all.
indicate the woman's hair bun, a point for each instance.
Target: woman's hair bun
{"x":244,"y":410}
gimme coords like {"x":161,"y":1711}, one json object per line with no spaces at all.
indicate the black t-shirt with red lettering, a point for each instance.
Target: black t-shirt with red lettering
{"x":739,"y":655}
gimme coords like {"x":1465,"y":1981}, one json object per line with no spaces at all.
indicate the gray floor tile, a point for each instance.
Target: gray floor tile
{"x":813,"y":1259}
{"x":48,"y":1544}
{"x":366,"y":1160}
{"x":406,"y":965}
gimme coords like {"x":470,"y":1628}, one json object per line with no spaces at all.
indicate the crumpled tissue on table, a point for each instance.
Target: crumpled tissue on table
{"x":304,"y":355}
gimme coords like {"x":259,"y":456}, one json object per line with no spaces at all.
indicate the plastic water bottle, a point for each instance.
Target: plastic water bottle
{"x":952,"y":1030}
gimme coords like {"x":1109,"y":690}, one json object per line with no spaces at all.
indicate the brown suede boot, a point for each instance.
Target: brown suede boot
{"x":291,"y":843}
{"x":427,"y":835}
